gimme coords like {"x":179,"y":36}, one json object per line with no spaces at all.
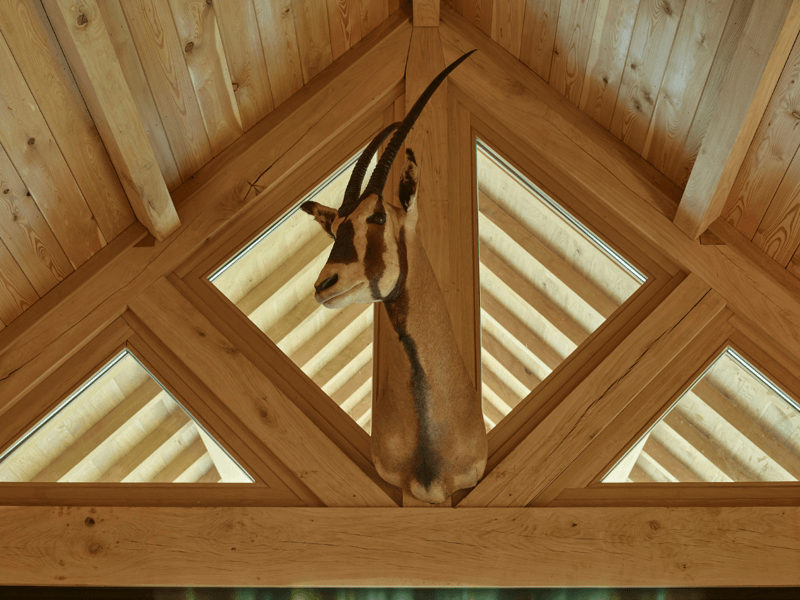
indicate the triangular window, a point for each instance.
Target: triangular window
{"x":732,"y":424}
{"x":547,"y":282}
{"x":120,"y":426}
{"x":272,"y":282}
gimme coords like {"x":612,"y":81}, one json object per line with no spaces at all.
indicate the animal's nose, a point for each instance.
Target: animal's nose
{"x":327,"y":283}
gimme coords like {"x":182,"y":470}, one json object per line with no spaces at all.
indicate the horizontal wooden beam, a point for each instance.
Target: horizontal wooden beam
{"x":769,"y":34}
{"x":87,"y":44}
{"x":747,"y":546}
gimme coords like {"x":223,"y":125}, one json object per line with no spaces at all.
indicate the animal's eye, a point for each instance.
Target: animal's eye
{"x":377,"y":218}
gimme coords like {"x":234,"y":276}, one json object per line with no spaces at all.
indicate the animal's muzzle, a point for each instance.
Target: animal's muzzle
{"x":329,"y":282}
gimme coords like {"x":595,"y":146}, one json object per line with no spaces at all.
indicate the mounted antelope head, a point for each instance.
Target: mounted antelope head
{"x":428,"y":435}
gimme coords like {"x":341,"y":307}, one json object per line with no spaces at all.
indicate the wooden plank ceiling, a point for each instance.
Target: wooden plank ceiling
{"x":651,"y":72}
{"x":201,"y":74}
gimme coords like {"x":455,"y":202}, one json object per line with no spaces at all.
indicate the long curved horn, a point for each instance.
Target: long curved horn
{"x":353,"y":189}
{"x":381,"y":173}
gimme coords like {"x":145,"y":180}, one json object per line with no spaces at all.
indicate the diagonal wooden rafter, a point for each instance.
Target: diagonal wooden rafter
{"x":87,"y":44}
{"x":769,"y":34}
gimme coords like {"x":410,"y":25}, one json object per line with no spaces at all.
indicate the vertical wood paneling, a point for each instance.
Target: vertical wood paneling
{"x":16,"y":292}
{"x":199,"y":35}
{"x":507,"y":20}
{"x":36,"y":50}
{"x":711,"y":93}
{"x":344,"y":22}
{"x":653,"y":35}
{"x":373,"y":13}
{"x":35,"y":154}
{"x":770,"y":154}
{"x":128,"y":58}
{"x":279,"y":42}
{"x":27,"y":235}
{"x":606,"y":62}
{"x":159,"y":49}
{"x":778,"y":233}
{"x":479,"y":13}
{"x":242,"y":41}
{"x":576,"y":24}
{"x":693,"y":51}
{"x":313,"y":36}
{"x":539,"y":34}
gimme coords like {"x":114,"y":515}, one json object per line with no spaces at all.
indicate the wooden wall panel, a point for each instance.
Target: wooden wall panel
{"x":16,"y":292}
{"x":538,"y":35}
{"x":479,"y":13}
{"x":507,"y":22}
{"x":695,"y":47}
{"x":26,"y":233}
{"x":373,"y":13}
{"x":279,"y":41}
{"x":576,"y":24}
{"x":196,"y":23}
{"x":238,"y":26}
{"x":159,"y":49}
{"x":36,"y":50}
{"x":344,"y":21}
{"x":36,"y":155}
{"x":313,"y":36}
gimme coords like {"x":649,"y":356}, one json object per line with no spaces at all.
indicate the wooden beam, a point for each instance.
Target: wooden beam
{"x":426,"y":13}
{"x":771,"y":30}
{"x":599,"y":398}
{"x":275,"y":154}
{"x":669,"y":462}
{"x":178,"y":465}
{"x":87,"y":44}
{"x":253,"y":397}
{"x":230,"y":546}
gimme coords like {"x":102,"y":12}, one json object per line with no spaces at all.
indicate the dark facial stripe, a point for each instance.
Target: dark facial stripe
{"x":374,"y":264}
{"x":427,"y":459}
{"x":344,"y":248}
{"x":407,"y":187}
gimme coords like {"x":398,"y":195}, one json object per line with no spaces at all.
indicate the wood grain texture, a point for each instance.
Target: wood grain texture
{"x":241,"y":38}
{"x":120,"y":34}
{"x":426,"y":13}
{"x":695,"y":47}
{"x":26,"y":233}
{"x":344,"y":21}
{"x":159,"y":49}
{"x":313,"y":36}
{"x":720,"y":67}
{"x":37,"y":158}
{"x":405,"y":547}
{"x":373,"y":13}
{"x":507,"y":21}
{"x":576,"y":23}
{"x":682,"y":494}
{"x":538,"y":35}
{"x":199,"y":36}
{"x":255,"y":400}
{"x":279,"y":151}
{"x":479,"y":13}
{"x":652,"y":39}
{"x":778,"y":233}
{"x":95,"y":64}
{"x":606,"y":62}
{"x":39,"y":57}
{"x":600,"y":397}
{"x":760,"y":57}
{"x":279,"y":42}
{"x":16,"y":292}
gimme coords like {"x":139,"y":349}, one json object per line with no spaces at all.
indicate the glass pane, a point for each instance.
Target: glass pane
{"x":272,"y":282}
{"x":121,"y":426}
{"x":547,"y":283}
{"x":733,"y":424}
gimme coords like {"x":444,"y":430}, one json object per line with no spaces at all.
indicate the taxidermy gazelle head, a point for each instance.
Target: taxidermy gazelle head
{"x":428,"y":434}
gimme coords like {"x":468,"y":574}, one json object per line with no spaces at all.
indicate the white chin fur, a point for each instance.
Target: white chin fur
{"x":353,"y":295}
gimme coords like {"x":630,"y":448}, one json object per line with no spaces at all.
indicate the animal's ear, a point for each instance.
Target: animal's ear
{"x":409,"y":179}
{"x":323,"y":214}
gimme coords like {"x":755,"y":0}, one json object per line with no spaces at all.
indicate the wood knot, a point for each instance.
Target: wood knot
{"x":5,"y":191}
{"x":633,"y":66}
{"x":796,"y":114}
{"x":667,"y":9}
{"x":209,"y":1}
{"x":31,"y":141}
{"x":89,"y":522}
{"x":82,"y":20}
{"x":654,"y":525}
{"x":235,"y":86}
{"x":189,"y":47}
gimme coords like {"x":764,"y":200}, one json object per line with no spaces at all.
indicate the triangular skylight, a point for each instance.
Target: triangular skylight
{"x":733,"y":424}
{"x":547,"y":282}
{"x":272,"y":282}
{"x":121,"y":426}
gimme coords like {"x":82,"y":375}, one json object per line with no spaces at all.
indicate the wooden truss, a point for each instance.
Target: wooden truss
{"x":319,"y":513}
